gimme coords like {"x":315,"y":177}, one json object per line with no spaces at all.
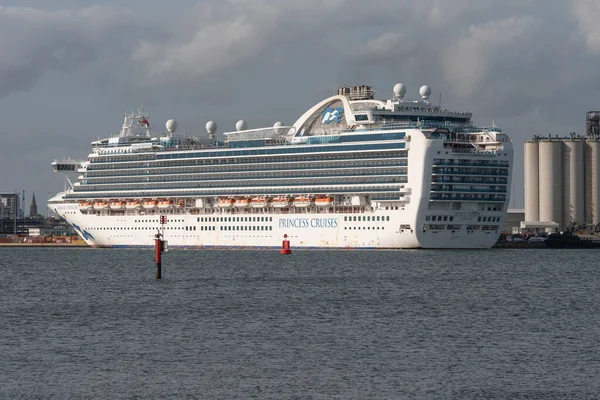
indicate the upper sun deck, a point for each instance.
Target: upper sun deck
{"x":352,"y":111}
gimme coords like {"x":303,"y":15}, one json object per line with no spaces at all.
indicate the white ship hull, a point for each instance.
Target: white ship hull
{"x":304,"y":230}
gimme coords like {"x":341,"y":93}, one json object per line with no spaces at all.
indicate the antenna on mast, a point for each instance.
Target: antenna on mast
{"x":440,"y":103}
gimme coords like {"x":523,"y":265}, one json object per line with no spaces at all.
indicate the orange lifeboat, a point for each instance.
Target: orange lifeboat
{"x":149,"y":204}
{"x":180,"y":203}
{"x":100,"y":205}
{"x":132,"y":204}
{"x":165,"y":203}
{"x":324,"y":201}
{"x":242,"y":202}
{"x":303,"y":201}
{"x":84,"y":205}
{"x":281,"y":201}
{"x":226,"y":203}
{"x":260,"y":202}
{"x":117,"y":205}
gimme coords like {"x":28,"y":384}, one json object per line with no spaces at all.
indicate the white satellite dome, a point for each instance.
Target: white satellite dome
{"x":425,"y":92}
{"x":277,"y":125}
{"x":211,"y":127}
{"x":399,"y":90}
{"x":171,"y":125}
{"x":241,"y":125}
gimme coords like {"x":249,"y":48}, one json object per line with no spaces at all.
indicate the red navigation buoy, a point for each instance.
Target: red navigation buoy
{"x":285,"y":246}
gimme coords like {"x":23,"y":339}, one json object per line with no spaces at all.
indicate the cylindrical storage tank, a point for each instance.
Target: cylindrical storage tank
{"x":532,"y":205}
{"x":551,"y":189}
{"x":594,"y":174}
{"x":573,"y":182}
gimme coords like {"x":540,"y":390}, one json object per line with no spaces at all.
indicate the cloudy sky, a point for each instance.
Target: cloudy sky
{"x":69,"y":68}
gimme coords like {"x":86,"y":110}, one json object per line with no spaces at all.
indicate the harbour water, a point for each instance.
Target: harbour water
{"x":501,"y":323}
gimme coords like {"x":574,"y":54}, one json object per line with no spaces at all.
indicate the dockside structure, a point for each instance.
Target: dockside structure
{"x":562,"y":182}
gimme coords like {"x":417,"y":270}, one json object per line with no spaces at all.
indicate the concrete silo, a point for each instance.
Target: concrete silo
{"x":551,"y":180}
{"x":593,"y":181}
{"x":573,"y":182}
{"x":532,"y":205}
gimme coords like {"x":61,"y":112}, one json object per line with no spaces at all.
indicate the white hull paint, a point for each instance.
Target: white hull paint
{"x":304,"y":230}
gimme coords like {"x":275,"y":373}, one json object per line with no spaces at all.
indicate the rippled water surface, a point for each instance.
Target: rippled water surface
{"x":89,"y":323}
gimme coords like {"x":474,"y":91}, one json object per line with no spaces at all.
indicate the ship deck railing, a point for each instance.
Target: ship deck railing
{"x":451,"y":127}
{"x":278,"y":132}
{"x":474,"y":190}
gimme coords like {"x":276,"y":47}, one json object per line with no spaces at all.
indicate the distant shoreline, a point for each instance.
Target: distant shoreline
{"x":44,"y":245}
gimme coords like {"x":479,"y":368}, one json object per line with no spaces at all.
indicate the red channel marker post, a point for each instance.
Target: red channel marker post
{"x":285,"y":246}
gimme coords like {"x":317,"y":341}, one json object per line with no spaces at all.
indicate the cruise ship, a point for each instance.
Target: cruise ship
{"x":353,"y":172}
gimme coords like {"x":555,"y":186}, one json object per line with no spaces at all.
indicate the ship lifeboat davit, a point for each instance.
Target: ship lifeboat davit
{"x":281,"y":201}
{"x":226,"y":203}
{"x":84,"y":205}
{"x":164,"y":204}
{"x":149,"y":204}
{"x":100,"y":205}
{"x":132,"y":204}
{"x":260,"y":202}
{"x":323,"y":201}
{"x":242,"y":202}
{"x":303,"y":201}
{"x":117,"y":205}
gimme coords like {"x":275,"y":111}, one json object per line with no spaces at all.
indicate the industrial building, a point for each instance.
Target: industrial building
{"x":562,"y":178}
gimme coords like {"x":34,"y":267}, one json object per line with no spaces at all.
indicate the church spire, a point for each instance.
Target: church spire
{"x":33,"y":211}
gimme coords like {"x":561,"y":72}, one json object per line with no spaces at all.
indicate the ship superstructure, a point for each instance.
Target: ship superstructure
{"x":351,"y":172}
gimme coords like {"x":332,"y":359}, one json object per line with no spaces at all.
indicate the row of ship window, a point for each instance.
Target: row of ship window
{"x":446,"y":218}
{"x":113,"y":163}
{"x":267,"y":168}
{"x":367,"y":218}
{"x":189,"y":228}
{"x":214,"y":219}
{"x":462,"y":179}
{"x":222,"y":154}
{"x":364,"y":228}
{"x":377,"y":193}
{"x":247,"y":228}
{"x":470,"y":171}
{"x":439,"y":218}
{"x":380,"y":191}
{"x":235,"y":219}
{"x":160,"y":167}
{"x":285,"y":150}
{"x":471,"y":189}
{"x":463,"y":162}
{"x":467,"y":196}
{"x":351,"y":181}
{"x":177,"y":177}
{"x":469,"y":228}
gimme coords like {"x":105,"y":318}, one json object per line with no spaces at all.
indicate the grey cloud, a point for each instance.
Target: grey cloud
{"x":587,"y":15}
{"x":224,"y":34}
{"x":467,"y":61}
{"x":388,"y":46}
{"x":34,"y":41}
{"x":218,"y":35}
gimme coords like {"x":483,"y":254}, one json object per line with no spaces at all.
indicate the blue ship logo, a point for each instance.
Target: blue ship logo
{"x":332,"y":115}
{"x":84,"y":234}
